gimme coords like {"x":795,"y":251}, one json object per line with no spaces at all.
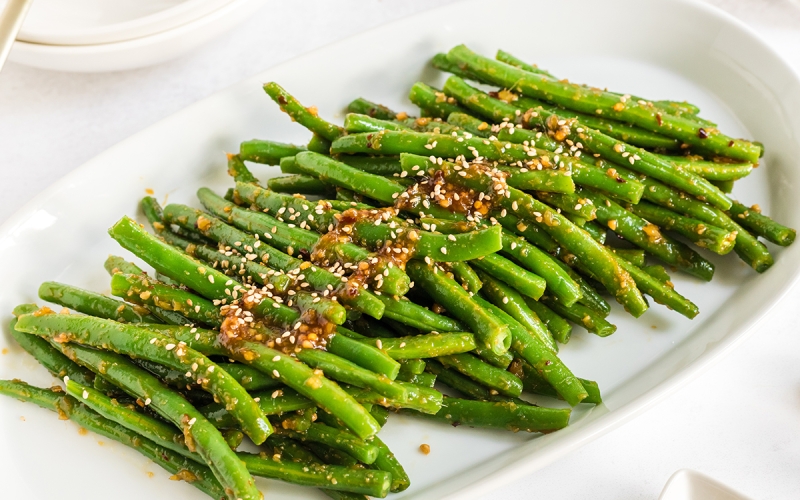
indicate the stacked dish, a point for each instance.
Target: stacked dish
{"x":91,"y":35}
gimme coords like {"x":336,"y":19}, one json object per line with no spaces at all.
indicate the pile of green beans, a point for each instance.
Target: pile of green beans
{"x":431,"y":265}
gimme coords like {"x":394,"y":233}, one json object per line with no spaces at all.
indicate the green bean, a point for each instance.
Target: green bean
{"x":582,"y":315}
{"x":760,"y":224}
{"x":551,"y":181}
{"x":471,"y":124}
{"x":207,"y":440}
{"x":298,"y":420}
{"x":232,"y":263}
{"x":369,"y":482}
{"x":701,"y":234}
{"x":633,"y":255}
{"x":386,"y":461}
{"x":115,"y":264}
{"x":304,"y":116}
{"x":662,"y":292}
{"x":571,"y":236}
{"x":319,"y":144}
{"x":414,"y":315}
{"x":337,"y":439}
{"x":282,"y":235}
{"x":502,"y":415}
{"x":513,"y":61}
{"x":528,"y":346}
{"x":342,"y":175}
{"x":48,"y":356}
{"x":575,"y":206}
{"x":596,"y":231}
{"x":140,"y":289}
{"x":364,"y":232}
{"x":658,"y":272}
{"x":531,"y":232}
{"x":495,"y":378}
{"x":724,"y":186}
{"x":288,"y":370}
{"x":412,"y":366}
{"x":461,"y":383}
{"x":203,"y":279}
{"x":288,"y":166}
{"x":319,"y":279}
{"x":425,"y":346}
{"x":711,"y":170}
{"x":490,"y":333}
{"x":148,"y":344}
{"x":511,"y":302}
{"x":433,"y":102}
{"x":534,"y":383}
{"x":558,"y":327}
{"x":354,"y":122}
{"x":422,"y":379}
{"x":267,"y":152}
{"x":348,"y":372}
{"x":88,"y":302}
{"x":299,"y":183}
{"x":648,"y":237}
{"x":378,"y":165}
{"x":580,"y":99}
{"x":747,"y":246}
{"x":67,"y":407}
{"x":273,"y":402}
{"x":343,"y":345}
{"x":422,"y":399}
{"x":372,"y":109}
{"x":465,"y":275}
{"x":505,"y":270}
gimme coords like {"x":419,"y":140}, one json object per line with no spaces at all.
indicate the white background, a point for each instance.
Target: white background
{"x":739,"y":422}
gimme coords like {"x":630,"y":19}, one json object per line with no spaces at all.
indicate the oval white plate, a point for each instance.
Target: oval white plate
{"x":707,"y":58}
{"x":137,"y":52}
{"x":85,"y":22}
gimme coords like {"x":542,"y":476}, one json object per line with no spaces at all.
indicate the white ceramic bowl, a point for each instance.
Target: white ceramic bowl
{"x":89,"y":22}
{"x":138,"y":52}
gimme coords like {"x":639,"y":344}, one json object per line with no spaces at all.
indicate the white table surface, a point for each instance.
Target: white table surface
{"x":739,"y":422}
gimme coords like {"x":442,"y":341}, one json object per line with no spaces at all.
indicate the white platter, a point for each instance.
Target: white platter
{"x":158,"y":38}
{"x":707,"y":58}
